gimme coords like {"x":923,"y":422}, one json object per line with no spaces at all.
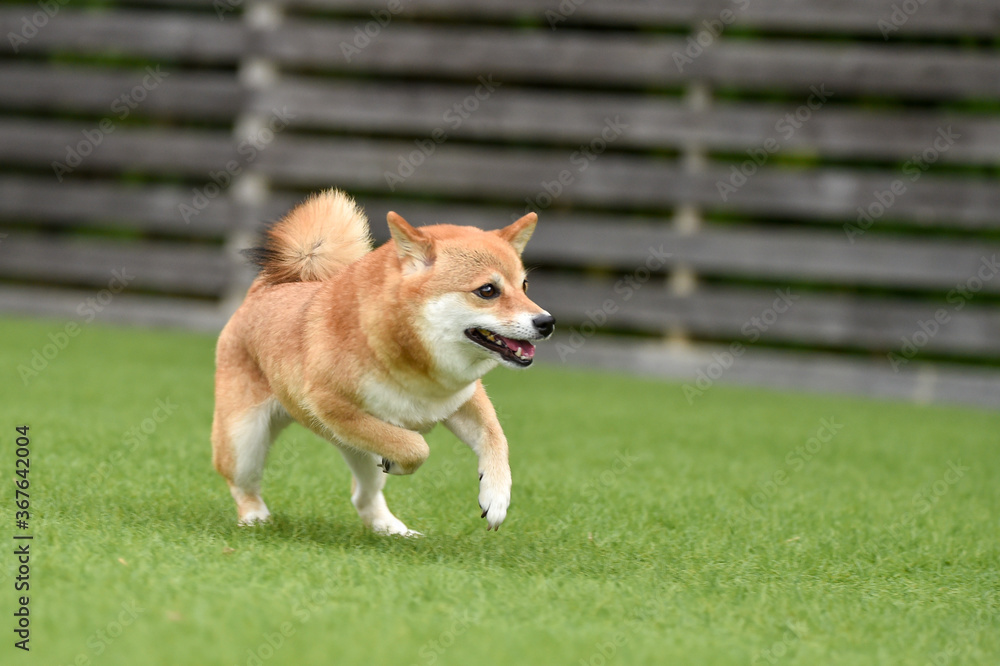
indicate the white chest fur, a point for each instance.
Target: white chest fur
{"x":409,"y":410}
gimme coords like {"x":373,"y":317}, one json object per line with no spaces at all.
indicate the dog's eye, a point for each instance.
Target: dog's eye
{"x":488,"y":290}
{"x":525,"y":286}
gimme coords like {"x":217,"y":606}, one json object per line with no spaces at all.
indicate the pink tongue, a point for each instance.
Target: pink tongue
{"x":527,"y":349}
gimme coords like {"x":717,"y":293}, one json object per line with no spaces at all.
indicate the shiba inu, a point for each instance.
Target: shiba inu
{"x":371,"y":348}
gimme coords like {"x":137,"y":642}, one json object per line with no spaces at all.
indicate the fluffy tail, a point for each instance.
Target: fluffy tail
{"x":316,"y":239}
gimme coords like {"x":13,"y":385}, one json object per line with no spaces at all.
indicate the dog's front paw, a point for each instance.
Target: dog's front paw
{"x":494,"y":499}
{"x":391,"y":525}
{"x":391,"y":467}
{"x":255,"y":517}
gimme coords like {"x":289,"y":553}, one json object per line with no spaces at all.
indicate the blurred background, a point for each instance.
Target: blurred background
{"x":799,"y":194}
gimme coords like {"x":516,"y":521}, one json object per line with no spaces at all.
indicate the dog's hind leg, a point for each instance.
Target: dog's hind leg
{"x":247,"y":419}
{"x":366,"y":493}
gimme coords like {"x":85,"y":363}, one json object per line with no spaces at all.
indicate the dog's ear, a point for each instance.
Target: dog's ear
{"x":519,"y":233}
{"x":413,"y":247}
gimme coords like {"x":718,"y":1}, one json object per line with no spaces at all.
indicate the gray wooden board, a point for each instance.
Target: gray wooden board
{"x":547,"y":116}
{"x":120,"y":93}
{"x":935,"y":17}
{"x":603,"y":59}
{"x":619,"y":180}
{"x":917,"y":381}
{"x":111,"y":204}
{"x":826,"y":373}
{"x":191,"y":152}
{"x":819,"y":319}
{"x":616,"y":242}
{"x":72,"y":305}
{"x":161,"y":266}
{"x":190,"y":37}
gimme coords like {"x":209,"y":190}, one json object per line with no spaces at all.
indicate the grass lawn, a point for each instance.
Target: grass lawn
{"x":753,"y":527}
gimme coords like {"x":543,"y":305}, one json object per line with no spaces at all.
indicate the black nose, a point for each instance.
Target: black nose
{"x":545,"y":323}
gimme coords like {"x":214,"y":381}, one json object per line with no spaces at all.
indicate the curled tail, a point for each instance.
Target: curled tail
{"x":314,"y":240}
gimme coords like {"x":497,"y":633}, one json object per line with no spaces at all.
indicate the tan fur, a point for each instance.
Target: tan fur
{"x":331,"y":333}
{"x":323,"y":235}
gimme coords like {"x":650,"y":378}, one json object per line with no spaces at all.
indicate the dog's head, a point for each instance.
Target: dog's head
{"x":471,"y":291}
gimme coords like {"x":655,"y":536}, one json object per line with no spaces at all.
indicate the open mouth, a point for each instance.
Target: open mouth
{"x":520,"y":352}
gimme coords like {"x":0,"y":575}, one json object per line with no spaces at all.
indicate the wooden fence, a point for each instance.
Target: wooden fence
{"x":691,"y":161}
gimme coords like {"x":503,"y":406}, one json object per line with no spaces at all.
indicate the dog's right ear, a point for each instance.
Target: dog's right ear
{"x":519,"y":233}
{"x":413,"y":247}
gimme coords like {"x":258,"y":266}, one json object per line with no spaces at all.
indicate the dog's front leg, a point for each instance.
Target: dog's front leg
{"x":397,"y":450}
{"x":364,"y":441}
{"x":476,"y":424}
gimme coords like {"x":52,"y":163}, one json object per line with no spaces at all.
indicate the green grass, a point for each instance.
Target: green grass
{"x":643,"y":530}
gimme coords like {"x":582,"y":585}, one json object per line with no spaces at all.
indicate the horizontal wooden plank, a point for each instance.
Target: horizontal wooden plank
{"x":539,"y":56}
{"x":186,"y":37}
{"x":187,"y":152}
{"x":918,"y":380}
{"x":545,"y":116}
{"x":133,"y":309}
{"x":935,"y":17}
{"x":748,"y":252}
{"x":629,"y":60}
{"x":119,"y":93}
{"x":113,"y":205}
{"x":826,"y":373}
{"x":176,"y":268}
{"x":617,"y":180}
{"x":815,"y":319}
{"x":768,"y":254}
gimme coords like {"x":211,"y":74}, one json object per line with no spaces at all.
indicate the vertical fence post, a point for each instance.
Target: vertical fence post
{"x":687,"y":219}
{"x":250,"y":190}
